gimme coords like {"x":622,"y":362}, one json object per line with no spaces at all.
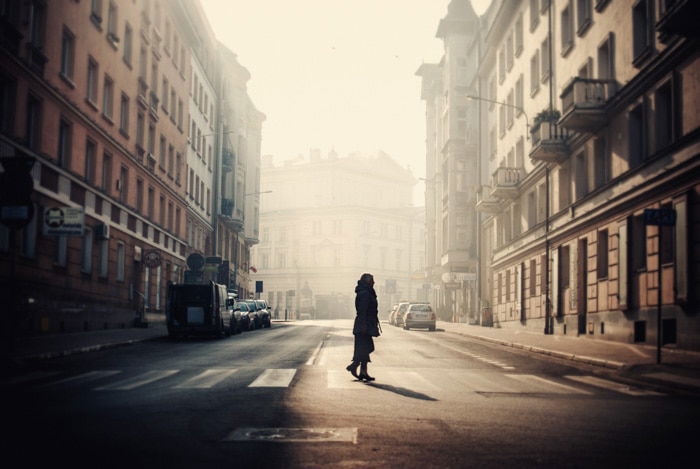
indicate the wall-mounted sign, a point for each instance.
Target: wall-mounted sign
{"x":63,"y":221}
{"x":152,"y":258}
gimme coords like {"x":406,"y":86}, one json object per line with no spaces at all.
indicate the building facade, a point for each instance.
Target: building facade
{"x":97,"y":94}
{"x":326,"y":221}
{"x":592,"y":125}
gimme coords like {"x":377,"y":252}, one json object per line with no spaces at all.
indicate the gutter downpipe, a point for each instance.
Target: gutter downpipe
{"x":477,"y":283}
{"x":549,"y":320}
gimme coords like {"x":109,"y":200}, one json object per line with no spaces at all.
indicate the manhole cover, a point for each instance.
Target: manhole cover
{"x":294,"y":435}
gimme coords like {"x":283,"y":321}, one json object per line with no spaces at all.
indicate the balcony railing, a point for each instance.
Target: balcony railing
{"x":584,"y":104}
{"x":485,"y":202}
{"x":549,"y":142}
{"x":505,"y":182}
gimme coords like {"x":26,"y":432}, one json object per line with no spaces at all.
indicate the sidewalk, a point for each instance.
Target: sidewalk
{"x":678,"y":368}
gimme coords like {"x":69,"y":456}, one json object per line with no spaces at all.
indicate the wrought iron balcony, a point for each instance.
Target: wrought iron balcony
{"x":584,"y":104}
{"x":549,"y":142}
{"x":505,"y":182}
{"x":485,"y":202}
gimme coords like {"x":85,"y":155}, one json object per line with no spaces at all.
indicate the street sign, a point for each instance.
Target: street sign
{"x":659,"y":216}
{"x":151,"y":258}
{"x":195,"y":261}
{"x":63,"y":221}
{"x":464,"y":276}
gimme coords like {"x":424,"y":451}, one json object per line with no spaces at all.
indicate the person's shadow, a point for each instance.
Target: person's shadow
{"x":401,"y":391}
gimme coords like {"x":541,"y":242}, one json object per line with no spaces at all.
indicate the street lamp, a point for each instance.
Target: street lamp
{"x":255,"y":193}
{"x":518,"y":108}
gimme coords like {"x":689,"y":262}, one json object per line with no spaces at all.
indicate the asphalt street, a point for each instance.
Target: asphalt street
{"x":281,"y":397}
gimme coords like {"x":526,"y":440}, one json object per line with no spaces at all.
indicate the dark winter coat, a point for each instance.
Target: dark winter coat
{"x":367,"y":319}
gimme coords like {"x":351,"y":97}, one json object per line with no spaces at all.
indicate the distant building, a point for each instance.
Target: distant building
{"x":327,"y":221}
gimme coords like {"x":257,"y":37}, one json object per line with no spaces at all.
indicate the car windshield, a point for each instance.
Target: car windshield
{"x":191,"y":295}
{"x":403,"y":307}
{"x":421,"y":308}
{"x":243,"y":307}
{"x":261,"y":304}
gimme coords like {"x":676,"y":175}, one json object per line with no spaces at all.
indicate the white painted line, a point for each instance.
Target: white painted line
{"x":636,"y":350}
{"x":294,"y":435}
{"x":34,"y":376}
{"x":137,"y":381}
{"x":508,"y":367}
{"x":89,"y":376}
{"x":337,"y":379}
{"x":538,"y":381}
{"x":274,"y":378}
{"x":206,"y":379}
{"x":612,"y":386}
{"x":675,"y":379}
{"x":314,"y":355}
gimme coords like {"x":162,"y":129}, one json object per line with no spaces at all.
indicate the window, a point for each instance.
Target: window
{"x":564,"y":268}
{"x":638,"y":242}
{"x":108,"y":97}
{"x":545,"y":69}
{"x":171,"y":160}
{"x":667,"y":240}
{"x":8,"y":93}
{"x":139,"y":195}
{"x":520,"y":153}
{"x":161,"y":210}
{"x":37,"y":15}
{"x":33,"y":122}
{"x":173,"y":102}
{"x":140,"y":122}
{"x":178,"y":164}
{"x":533,"y":277}
{"x":664,"y":115}
{"x":104,"y":258}
{"x":128,"y":43}
{"x":534,"y":14}
{"x":531,"y":209}
{"x":92,"y":81}
{"x":179,"y":114}
{"x":164,"y":95}
{"x":581,"y":175}
{"x":565,"y":185}
{"x":67,"y":53}
{"x":96,"y":12}
{"x":509,"y":52}
{"x":501,"y":65}
{"x":112,"y":23}
{"x":86,"y":249}
{"x":641,"y":37}
{"x":519,"y":35}
{"x":120,"y":261}
{"x":606,"y":59}
{"x":602,"y":254}
{"x":123,"y":184}
{"x":124,"y":115}
{"x":151,"y":138}
{"x":106,"y":172}
{"x":519,"y":103}
{"x":502,"y":120}
{"x":161,"y":160}
{"x":509,"y":109}
{"x":637,"y":135}
{"x":151,"y":203}
{"x":567,"y":30}
{"x":584,"y":14}
{"x":535,"y":73}
{"x":64,"y":143}
{"x":90,"y":156}
{"x":61,"y":258}
{"x":143,"y":65}
{"x":601,"y":163}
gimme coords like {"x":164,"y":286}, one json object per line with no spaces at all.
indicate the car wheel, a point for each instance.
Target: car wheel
{"x":432,"y":328}
{"x":406,"y":328}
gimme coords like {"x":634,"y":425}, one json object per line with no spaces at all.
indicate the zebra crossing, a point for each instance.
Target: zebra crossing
{"x":435,"y":382}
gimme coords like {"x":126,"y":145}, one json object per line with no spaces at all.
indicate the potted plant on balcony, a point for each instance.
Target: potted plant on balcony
{"x":546,"y":115}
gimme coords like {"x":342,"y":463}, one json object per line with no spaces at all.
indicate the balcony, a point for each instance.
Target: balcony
{"x":584,"y":104}
{"x":154,"y":105}
{"x":485,"y":202}
{"x":549,"y":142}
{"x":678,"y":17}
{"x":143,"y":90}
{"x":505,"y":182}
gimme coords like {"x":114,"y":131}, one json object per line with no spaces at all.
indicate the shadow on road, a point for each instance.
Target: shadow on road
{"x":402,"y":391}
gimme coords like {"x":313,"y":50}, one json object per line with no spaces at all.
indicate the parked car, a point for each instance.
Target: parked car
{"x":391,"y":311}
{"x":247,"y":316}
{"x":264,"y":313}
{"x":259,"y":313}
{"x":236,"y":319}
{"x":194,"y":309}
{"x":419,"y":315}
{"x":400,"y":311}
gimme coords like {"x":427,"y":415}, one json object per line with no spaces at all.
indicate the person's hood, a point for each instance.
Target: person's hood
{"x":364,"y":286}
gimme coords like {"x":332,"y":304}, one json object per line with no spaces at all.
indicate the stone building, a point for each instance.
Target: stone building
{"x":591,"y":124}
{"x":330,"y":219}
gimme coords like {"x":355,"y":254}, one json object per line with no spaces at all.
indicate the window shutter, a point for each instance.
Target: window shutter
{"x":623,"y":265}
{"x":573,"y":276}
{"x":519,"y":289}
{"x":681,"y":245}
{"x":555,"y":281}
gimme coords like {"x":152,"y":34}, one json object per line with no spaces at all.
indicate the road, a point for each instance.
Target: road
{"x":280,"y":397}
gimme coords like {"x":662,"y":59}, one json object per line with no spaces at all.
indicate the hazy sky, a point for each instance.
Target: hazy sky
{"x":336,"y":73}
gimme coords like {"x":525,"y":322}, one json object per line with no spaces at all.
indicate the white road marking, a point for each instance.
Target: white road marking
{"x":314,"y":355}
{"x":612,"y":386}
{"x":274,"y":378}
{"x":206,"y":379}
{"x":34,"y":376}
{"x":540,"y":382}
{"x":89,"y":376}
{"x":137,"y":381}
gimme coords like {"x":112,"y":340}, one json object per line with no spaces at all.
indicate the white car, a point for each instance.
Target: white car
{"x":419,"y":315}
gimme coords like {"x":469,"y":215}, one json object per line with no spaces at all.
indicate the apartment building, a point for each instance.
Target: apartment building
{"x":329,"y":219}
{"x":101,"y":95}
{"x":607,"y":87}
{"x":452,"y":155}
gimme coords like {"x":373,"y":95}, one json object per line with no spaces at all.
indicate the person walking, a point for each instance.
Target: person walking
{"x":365,"y":327}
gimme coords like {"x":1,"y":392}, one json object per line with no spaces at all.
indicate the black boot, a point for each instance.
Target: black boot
{"x":352,"y":368}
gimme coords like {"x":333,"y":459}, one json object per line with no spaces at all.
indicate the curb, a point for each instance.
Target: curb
{"x":86,"y":349}
{"x":611,"y":364}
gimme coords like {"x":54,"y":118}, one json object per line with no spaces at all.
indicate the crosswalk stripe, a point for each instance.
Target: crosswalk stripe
{"x":89,"y":376}
{"x":137,"y":381}
{"x":612,"y":386}
{"x":206,"y":379}
{"x":34,"y":376}
{"x":274,"y":378}
{"x":540,"y":382}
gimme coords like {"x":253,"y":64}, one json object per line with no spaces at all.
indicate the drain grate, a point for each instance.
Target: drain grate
{"x":294,"y":435}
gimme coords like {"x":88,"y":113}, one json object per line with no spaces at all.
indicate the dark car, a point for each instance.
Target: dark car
{"x":260,"y":312}
{"x":264,"y":313}
{"x":194,"y":309}
{"x":236,"y":318}
{"x":247,"y":316}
